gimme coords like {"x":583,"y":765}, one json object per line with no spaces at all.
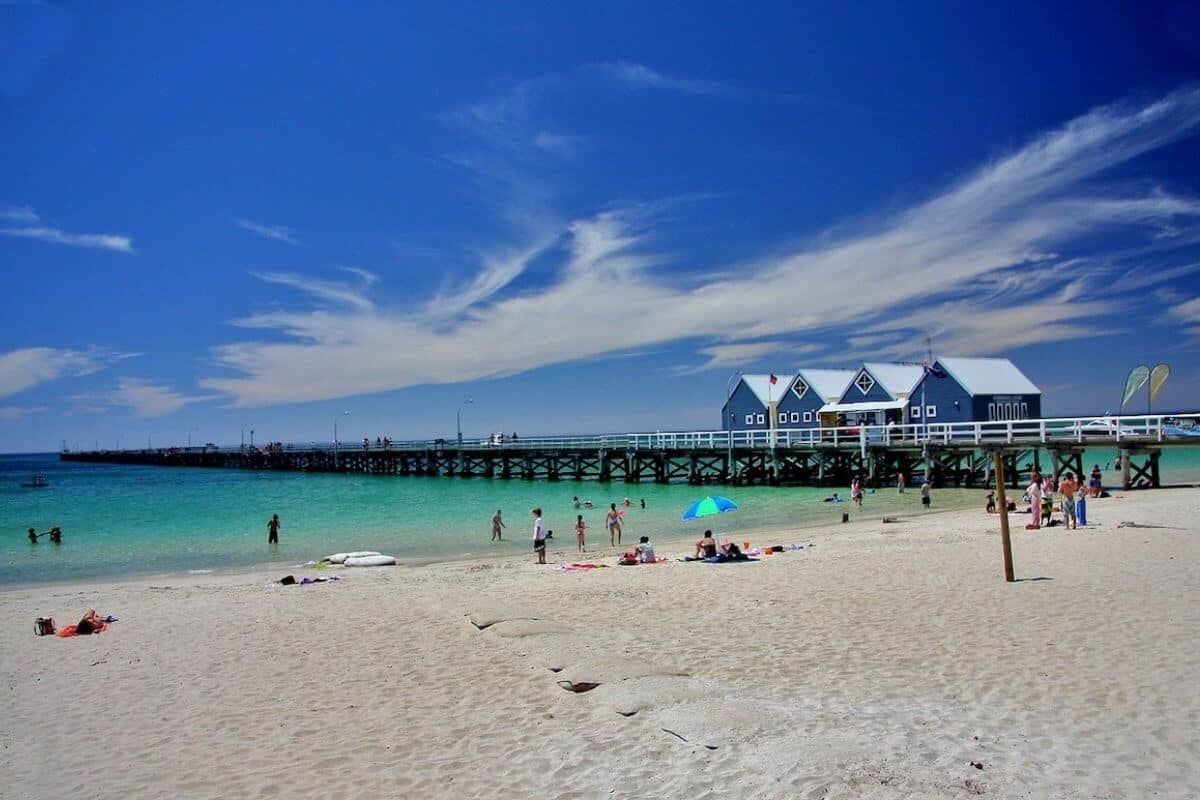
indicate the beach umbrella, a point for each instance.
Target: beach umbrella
{"x":708,"y":507}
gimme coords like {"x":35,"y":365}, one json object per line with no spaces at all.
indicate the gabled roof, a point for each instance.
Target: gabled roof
{"x":988,"y":376}
{"x":896,"y":379}
{"x":762,"y":388}
{"x":829,"y":384}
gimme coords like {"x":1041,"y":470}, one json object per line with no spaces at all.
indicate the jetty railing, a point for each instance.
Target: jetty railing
{"x":1117,"y":430}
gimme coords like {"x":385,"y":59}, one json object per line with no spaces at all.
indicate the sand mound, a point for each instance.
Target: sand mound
{"x":585,"y":676}
{"x":488,"y":615}
{"x":634,"y":695}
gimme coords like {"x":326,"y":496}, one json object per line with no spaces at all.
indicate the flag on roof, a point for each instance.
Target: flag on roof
{"x":773,"y":379}
{"x":934,"y":370}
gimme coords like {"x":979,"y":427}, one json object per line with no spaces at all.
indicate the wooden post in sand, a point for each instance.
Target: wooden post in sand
{"x":1002,"y":507}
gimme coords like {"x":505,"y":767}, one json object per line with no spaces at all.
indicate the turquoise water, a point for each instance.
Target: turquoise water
{"x":121,"y":520}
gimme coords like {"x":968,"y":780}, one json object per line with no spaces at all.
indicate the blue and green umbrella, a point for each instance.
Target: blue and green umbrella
{"x":709,"y":506}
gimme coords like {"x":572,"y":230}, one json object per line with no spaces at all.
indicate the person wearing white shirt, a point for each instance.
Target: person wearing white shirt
{"x":539,"y":536}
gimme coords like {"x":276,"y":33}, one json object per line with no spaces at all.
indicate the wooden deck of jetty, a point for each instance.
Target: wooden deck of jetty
{"x":955,"y":454}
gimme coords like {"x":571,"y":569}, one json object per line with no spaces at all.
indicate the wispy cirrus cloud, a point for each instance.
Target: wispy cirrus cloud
{"x":25,"y":224}
{"x":276,"y":232}
{"x":18,"y":214}
{"x":970,"y":262}
{"x":639,"y":76}
{"x":30,"y":366}
{"x":341,"y":293}
{"x":722,"y":356}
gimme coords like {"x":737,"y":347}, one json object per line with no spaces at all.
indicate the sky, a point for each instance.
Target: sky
{"x":559,"y":218}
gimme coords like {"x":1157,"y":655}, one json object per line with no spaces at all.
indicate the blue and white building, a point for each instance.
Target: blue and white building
{"x":879,"y":393}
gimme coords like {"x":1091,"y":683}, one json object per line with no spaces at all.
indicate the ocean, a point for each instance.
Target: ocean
{"x":128,"y":520}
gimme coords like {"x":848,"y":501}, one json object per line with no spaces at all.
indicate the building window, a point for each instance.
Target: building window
{"x":808,"y":416}
{"x":749,"y":419}
{"x":864,"y":382}
{"x":930,"y":412}
{"x":799,"y":388}
{"x":783,"y":418}
{"x":795,"y":416}
{"x":760,"y":419}
{"x":1024,"y":411}
{"x":991,"y":412}
{"x":916,"y":412}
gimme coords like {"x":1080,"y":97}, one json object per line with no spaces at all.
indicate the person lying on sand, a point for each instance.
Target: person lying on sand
{"x":91,"y":623}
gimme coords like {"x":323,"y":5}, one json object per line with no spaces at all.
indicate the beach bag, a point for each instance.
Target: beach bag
{"x":43,"y":626}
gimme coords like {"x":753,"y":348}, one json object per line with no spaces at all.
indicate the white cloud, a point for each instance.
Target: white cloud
{"x":148,"y":399}
{"x":23,"y":214}
{"x":735,"y":355}
{"x":28,"y":367}
{"x":640,"y":76}
{"x":27,"y":225}
{"x":276,"y":232}
{"x":337,"y":292}
{"x":994,"y":236}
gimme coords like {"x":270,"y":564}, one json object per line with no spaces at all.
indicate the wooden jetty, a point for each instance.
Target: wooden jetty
{"x":953,"y":454}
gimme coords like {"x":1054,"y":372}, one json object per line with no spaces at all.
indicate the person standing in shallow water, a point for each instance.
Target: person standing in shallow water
{"x":613,"y":520}
{"x":497,"y":527}
{"x":273,"y":530}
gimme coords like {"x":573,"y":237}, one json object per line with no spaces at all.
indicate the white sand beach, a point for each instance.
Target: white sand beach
{"x":884,"y":661}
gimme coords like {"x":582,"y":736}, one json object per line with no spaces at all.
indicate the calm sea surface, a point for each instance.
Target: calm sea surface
{"x":120,"y":520}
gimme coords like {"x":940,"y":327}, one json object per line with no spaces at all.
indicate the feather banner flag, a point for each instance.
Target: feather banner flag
{"x":1158,"y":376}
{"x":1136,"y":380}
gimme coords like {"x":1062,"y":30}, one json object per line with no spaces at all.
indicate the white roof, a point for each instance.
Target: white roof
{"x":988,"y":376}
{"x":828,"y":383}
{"x":897,"y":379}
{"x":764,"y":391}
{"x":878,"y":405}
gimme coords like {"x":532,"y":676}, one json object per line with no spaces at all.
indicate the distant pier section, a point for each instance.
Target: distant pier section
{"x":947,"y":454}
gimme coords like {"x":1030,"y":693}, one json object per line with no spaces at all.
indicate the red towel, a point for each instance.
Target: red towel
{"x":67,"y":631}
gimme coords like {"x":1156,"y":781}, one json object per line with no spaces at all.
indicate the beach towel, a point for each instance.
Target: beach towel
{"x":67,"y":631}
{"x":582,"y":567}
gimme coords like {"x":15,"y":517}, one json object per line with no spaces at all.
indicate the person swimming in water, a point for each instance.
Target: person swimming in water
{"x":33,"y":536}
{"x":832,"y":499}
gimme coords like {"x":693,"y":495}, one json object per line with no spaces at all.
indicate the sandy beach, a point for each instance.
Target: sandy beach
{"x":879,"y":661}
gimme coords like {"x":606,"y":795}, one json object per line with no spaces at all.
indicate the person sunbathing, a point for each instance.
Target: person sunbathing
{"x":732,"y":552}
{"x":706,"y":547}
{"x":91,"y":623}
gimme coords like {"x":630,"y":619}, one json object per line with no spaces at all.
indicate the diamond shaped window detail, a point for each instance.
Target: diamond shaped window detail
{"x":864,"y":382}
{"x":800,"y":388}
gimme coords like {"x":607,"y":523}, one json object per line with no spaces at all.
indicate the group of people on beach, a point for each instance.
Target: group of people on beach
{"x":1072,"y":497}
{"x":613,"y":521}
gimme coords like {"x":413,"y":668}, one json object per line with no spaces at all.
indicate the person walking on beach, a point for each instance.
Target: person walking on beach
{"x":1081,"y":507}
{"x":580,"y":529}
{"x":856,"y":492}
{"x":497,"y":527}
{"x":1094,"y":483}
{"x":273,"y":530}
{"x":613,"y":520}
{"x":900,"y":482}
{"x":925,"y":494}
{"x":1035,"y":503}
{"x":539,"y":535}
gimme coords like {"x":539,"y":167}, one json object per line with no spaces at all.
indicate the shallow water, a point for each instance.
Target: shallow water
{"x":128,"y":520}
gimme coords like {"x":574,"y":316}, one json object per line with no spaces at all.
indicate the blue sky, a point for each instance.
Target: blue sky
{"x":583,"y":219}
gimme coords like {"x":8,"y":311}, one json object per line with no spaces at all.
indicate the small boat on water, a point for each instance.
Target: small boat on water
{"x":36,"y":482}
